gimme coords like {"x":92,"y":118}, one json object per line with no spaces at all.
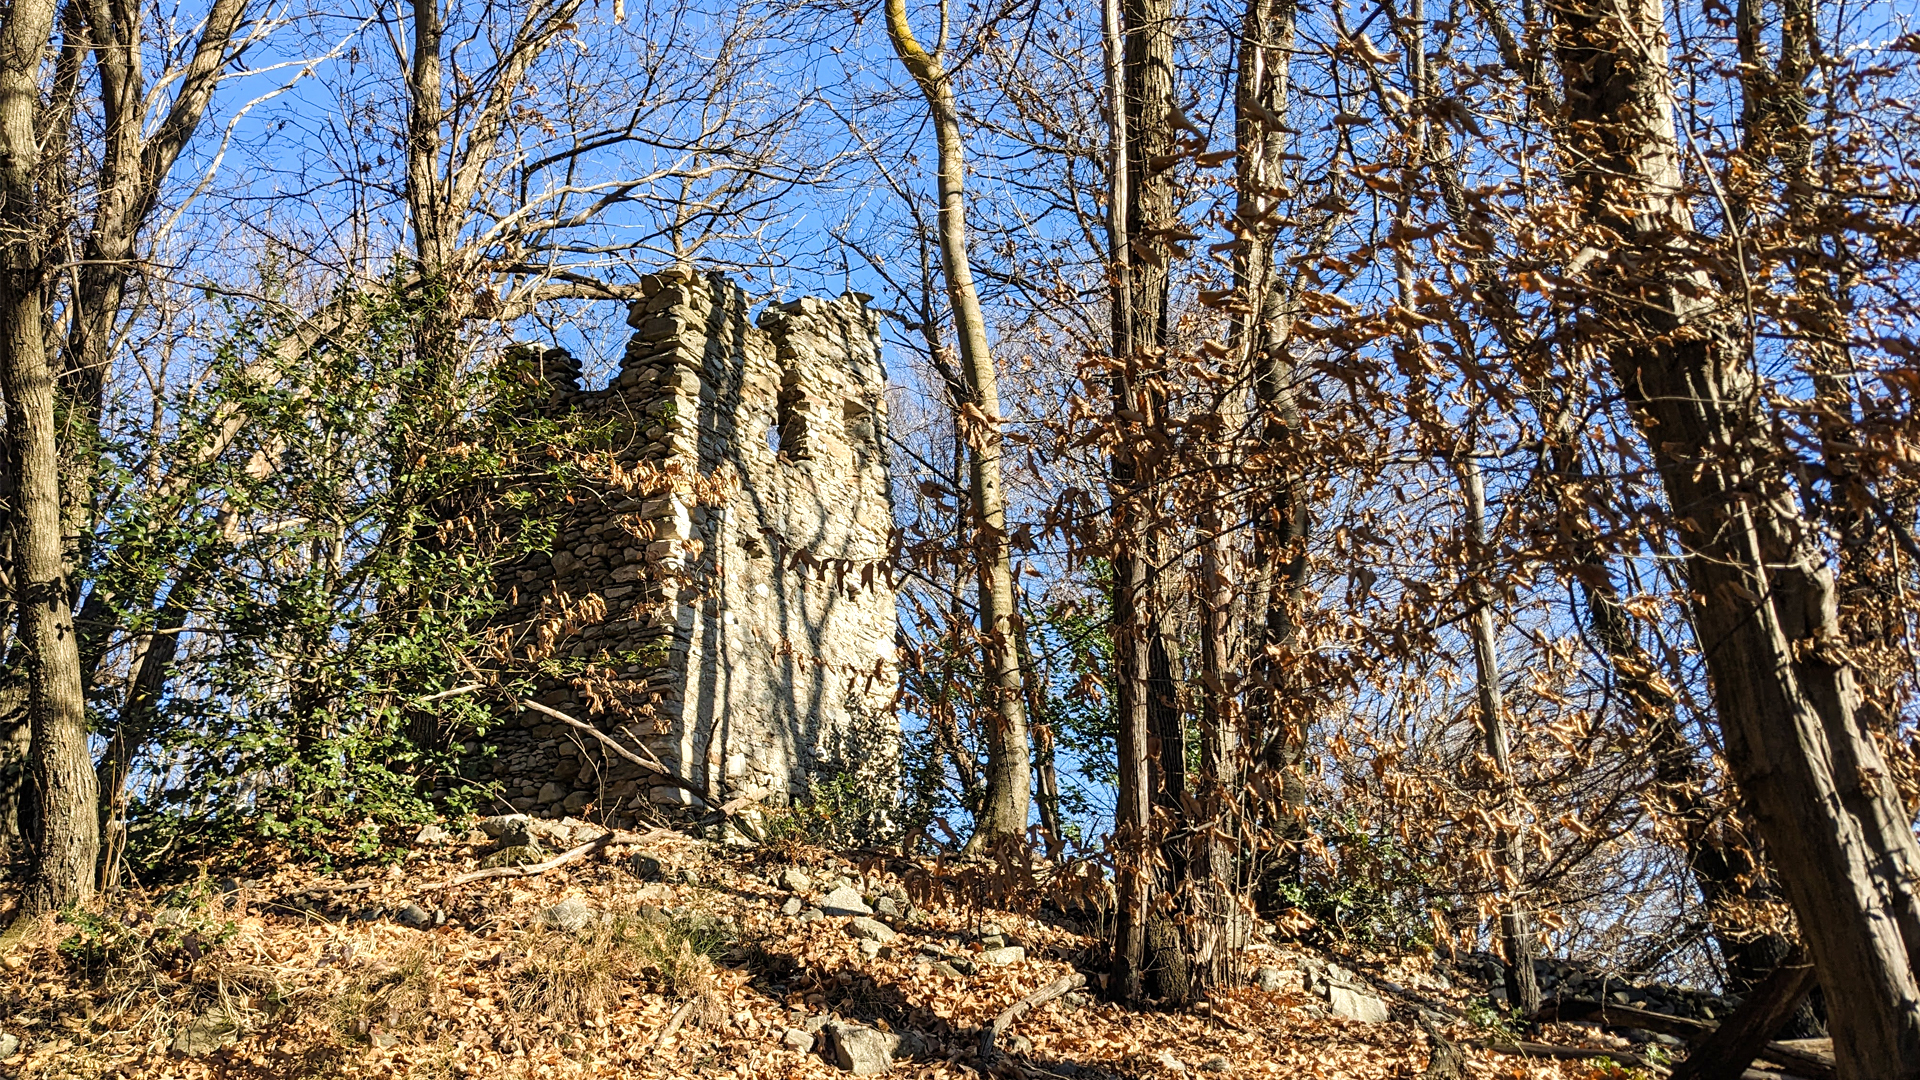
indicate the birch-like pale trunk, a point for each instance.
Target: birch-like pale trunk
{"x":1009,"y":796}
{"x":1510,"y":850}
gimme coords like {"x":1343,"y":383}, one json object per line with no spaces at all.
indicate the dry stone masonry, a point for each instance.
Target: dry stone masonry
{"x":720,"y":592}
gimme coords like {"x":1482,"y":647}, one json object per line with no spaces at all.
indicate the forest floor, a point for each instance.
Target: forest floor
{"x":664,"y":957}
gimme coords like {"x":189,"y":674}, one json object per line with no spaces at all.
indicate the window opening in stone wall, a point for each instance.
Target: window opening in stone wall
{"x":792,"y":424}
{"x":857,"y":421}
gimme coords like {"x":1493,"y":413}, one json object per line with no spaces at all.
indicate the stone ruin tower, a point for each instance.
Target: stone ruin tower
{"x":727,"y":582}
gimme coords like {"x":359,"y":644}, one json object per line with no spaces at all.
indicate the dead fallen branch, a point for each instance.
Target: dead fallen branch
{"x":1726,"y":1053}
{"x":604,"y":840}
{"x":330,"y":890}
{"x":992,"y":1032}
{"x":1568,"y":1053}
{"x":655,"y":767}
{"x":1610,"y":1015}
{"x":1811,"y":1058}
{"x":673,"y":1024}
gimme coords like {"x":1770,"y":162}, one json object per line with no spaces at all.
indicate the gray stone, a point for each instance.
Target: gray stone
{"x":518,"y":855}
{"x":793,"y":906}
{"x":415,"y":916}
{"x":502,"y":824}
{"x":844,"y":900}
{"x":886,"y":906}
{"x":797,"y":1040}
{"x":1354,"y":1003}
{"x":861,"y":1050}
{"x":1011,"y":954}
{"x":570,"y":915}
{"x":871,"y":949}
{"x":941,"y":967}
{"x":870,"y":930}
{"x":1269,"y":978}
{"x":812,"y":914}
{"x":431,"y":834}
{"x":1017,"y":1044}
{"x":9,"y":1045}
{"x":794,"y":879}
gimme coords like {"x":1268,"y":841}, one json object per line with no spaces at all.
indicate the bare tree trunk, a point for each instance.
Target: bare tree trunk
{"x":1009,"y":792}
{"x":1046,"y":782}
{"x":1724,"y":868}
{"x":66,"y":837}
{"x":1516,"y":936}
{"x":1763,"y":600}
{"x":1133,"y":812}
{"x":1258,"y":336}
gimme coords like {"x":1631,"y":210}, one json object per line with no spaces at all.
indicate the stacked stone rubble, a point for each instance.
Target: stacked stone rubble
{"x":722,"y":581}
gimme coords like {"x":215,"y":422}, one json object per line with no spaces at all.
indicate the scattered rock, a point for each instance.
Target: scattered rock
{"x":171,"y":917}
{"x":1017,"y":1044}
{"x":1269,"y":978}
{"x":844,"y":900}
{"x":1001,"y":957}
{"x":516,"y":855}
{"x":871,"y":949}
{"x":501,"y":824}
{"x":812,"y":914}
{"x":794,"y":879}
{"x":814,"y":1024}
{"x":886,"y":906}
{"x":9,"y":1045}
{"x":941,"y":967}
{"x":203,"y":1035}
{"x":569,"y":915}
{"x":793,"y":906}
{"x":415,"y":916}
{"x":384,"y":1041}
{"x":870,"y":930}
{"x":431,"y":834}
{"x":993,"y":941}
{"x":860,"y":1050}
{"x":1215,"y":1064}
{"x":1166,"y":1060}
{"x":797,"y":1040}
{"x":1355,"y":1003}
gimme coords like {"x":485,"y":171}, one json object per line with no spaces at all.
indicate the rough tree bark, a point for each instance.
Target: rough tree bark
{"x":1133,"y":812}
{"x":1762,"y":598}
{"x":1258,"y":348}
{"x":65,"y":832}
{"x":1724,"y":868}
{"x":1009,"y":786}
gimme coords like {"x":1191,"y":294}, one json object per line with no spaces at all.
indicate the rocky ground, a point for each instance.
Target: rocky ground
{"x":660,"y":955}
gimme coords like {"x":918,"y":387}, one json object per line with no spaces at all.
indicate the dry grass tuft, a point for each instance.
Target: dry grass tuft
{"x":576,"y":977}
{"x":396,"y":998}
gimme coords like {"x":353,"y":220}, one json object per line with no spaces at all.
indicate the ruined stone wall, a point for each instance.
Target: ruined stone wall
{"x":721,"y":583}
